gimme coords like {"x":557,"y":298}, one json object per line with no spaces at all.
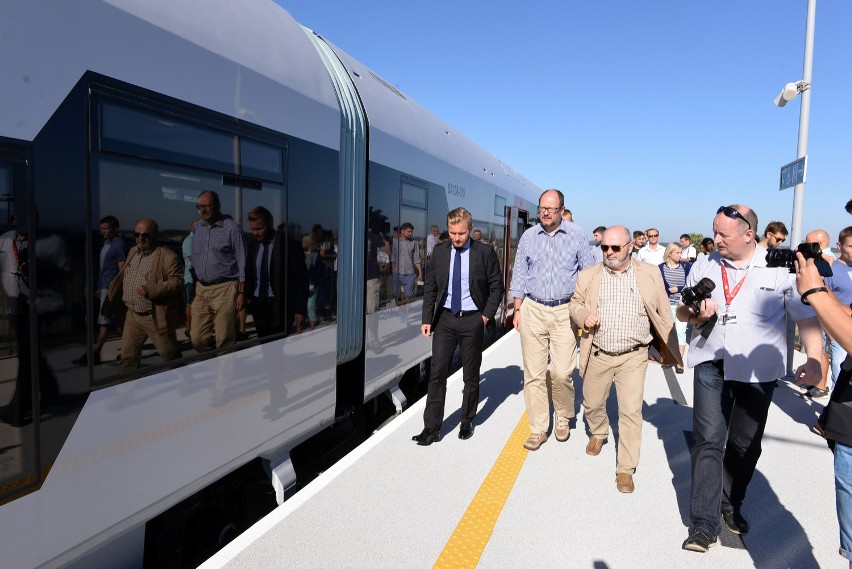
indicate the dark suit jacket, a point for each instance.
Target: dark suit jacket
{"x":485,"y":280}
{"x":294,"y":300}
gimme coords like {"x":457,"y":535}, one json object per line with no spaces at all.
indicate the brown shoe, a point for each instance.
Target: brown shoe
{"x":594,"y":446}
{"x":561,"y":428}
{"x":535,"y":441}
{"x":624,"y":482}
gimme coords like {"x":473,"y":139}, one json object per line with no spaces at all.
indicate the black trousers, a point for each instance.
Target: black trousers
{"x":449,"y":332}
{"x":266,"y":321}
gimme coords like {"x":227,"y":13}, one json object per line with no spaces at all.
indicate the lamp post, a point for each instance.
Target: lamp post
{"x":787,"y":94}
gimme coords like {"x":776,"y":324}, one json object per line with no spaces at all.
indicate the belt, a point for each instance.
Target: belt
{"x":217,"y":281}
{"x":146,"y":313}
{"x":461,"y":313}
{"x":613,"y":354}
{"x":565,"y":300}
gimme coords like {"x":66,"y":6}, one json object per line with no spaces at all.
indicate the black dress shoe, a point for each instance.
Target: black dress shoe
{"x":735,"y":522}
{"x":427,"y":437}
{"x":466,"y":431}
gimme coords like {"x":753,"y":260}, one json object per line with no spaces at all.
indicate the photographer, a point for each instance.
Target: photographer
{"x":836,"y":419}
{"x":736,"y":365}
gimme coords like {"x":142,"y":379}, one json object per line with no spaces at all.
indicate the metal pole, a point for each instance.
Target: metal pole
{"x":799,"y":189}
{"x":804,"y":122}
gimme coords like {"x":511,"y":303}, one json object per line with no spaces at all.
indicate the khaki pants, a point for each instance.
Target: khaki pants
{"x":628,"y":373}
{"x":214,"y":308}
{"x":544,"y":330}
{"x":137,"y":329}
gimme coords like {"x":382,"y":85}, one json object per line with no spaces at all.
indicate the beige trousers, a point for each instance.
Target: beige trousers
{"x":546,"y":330}
{"x":628,"y":373}
{"x":136,"y":330}
{"x":214,"y":309}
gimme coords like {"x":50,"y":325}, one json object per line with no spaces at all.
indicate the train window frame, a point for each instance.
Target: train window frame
{"x":103,"y":89}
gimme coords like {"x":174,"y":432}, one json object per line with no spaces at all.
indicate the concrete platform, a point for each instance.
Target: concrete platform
{"x":392,"y":503}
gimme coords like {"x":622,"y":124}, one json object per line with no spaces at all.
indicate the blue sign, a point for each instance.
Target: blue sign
{"x":793,"y":173}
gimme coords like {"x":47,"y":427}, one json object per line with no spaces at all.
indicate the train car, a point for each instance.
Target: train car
{"x":131,"y":109}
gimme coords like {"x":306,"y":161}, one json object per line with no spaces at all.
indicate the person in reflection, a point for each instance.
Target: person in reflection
{"x":774,"y":235}
{"x":111,"y":260}
{"x":269,"y":254}
{"x":621,"y":306}
{"x":150,"y":287}
{"x":188,"y":281}
{"x":406,"y":263}
{"x":218,"y":259}
{"x":462,"y":293}
{"x":15,"y":270}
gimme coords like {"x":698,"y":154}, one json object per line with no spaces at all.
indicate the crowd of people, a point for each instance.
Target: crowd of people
{"x":625,"y":298}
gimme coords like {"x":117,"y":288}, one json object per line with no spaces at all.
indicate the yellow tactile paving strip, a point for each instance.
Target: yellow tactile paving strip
{"x":465,"y":546}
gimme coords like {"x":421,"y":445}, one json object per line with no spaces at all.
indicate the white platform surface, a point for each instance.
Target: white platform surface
{"x":391,"y":503}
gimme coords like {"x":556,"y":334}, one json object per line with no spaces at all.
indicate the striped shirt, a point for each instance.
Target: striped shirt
{"x":219,"y":251}
{"x":674,"y":277}
{"x":624,"y":321}
{"x":546,"y":266}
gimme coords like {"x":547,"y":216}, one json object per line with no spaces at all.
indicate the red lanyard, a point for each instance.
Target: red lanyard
{"x":729,"y":296}
{"x":15,"y":250}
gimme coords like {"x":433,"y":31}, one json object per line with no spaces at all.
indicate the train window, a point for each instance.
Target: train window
{"x":263,"y":161}
{"x":499,"y":206}
{"x":414,"y":196}
{"x":141,"y":133}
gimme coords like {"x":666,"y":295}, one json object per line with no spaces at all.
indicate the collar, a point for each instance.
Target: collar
{"x":464,"y":247}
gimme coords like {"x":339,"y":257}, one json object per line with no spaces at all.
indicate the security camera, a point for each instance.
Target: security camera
{"x":789,"y":92}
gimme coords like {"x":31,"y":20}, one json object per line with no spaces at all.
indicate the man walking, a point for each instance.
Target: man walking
{"x":549,"y":257}
{"x":462,"y":292}
{"x":621,"y":306}
{"x":737,"y":365}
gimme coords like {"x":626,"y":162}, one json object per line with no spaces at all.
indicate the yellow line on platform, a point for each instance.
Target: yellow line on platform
{"x":465,"y":546}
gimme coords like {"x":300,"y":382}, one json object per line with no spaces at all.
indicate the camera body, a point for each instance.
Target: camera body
{"x":692,"y":296}
{"x":787,"y":258}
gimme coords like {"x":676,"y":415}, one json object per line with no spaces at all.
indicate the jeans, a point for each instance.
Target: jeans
{"x":843,"y":490}
{"x":838,"y":354}
{"x":728,"y":419}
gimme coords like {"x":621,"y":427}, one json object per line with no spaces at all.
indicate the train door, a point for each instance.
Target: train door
{"x":515,"y":222}
{"x":19,"y":462}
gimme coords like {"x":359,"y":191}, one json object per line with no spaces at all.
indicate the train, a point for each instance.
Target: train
{"x":131,"y":109}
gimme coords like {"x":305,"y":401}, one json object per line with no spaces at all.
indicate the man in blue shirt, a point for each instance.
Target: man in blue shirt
{"x":841,"y":285}
{"x":549,"y":257}
{"x":219,"y":262}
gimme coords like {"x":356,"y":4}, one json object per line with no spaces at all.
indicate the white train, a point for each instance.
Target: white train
{"x":131,"y":108}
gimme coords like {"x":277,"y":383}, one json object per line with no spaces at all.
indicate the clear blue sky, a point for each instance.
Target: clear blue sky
{"x":643,"y":113}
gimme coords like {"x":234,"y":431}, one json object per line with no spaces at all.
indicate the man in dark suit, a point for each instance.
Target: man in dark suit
{"x":463,"y":290}
{"x":273,"y":308}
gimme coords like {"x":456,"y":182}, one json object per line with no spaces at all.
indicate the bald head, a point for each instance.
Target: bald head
{"x":818,"y":236}
{"x":619,"y":231}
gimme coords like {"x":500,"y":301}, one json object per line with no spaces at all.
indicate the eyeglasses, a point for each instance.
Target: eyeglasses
{"x":142,"y":235}
{"x":653,"y":235}
{"x":201,"y":206}
{"x":733,"y":214}
{"x":615,"y":248}
{"x":542,"y":209}
{"x":778,"y":239}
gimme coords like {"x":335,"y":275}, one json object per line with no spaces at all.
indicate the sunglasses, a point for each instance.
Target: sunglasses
{"x":733,"y":214}
{"x":651,"y":236}
{"x":142,"y":235}
{"x":615,"y":248}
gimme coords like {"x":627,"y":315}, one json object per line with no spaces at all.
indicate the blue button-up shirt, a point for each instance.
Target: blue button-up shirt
{"x":219,"y":250}
{"x":546,"y":266}
{"x":466,"y":301}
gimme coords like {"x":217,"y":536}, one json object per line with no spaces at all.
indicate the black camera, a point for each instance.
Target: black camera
{"x":692,"y":297}
{"x":787,"y":257}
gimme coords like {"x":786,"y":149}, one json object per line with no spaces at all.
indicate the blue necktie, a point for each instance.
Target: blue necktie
{"x":455,"y":301}
{"x":263,"y":283}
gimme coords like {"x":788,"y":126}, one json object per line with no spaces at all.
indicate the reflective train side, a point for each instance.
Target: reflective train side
{"x":132,"y":108}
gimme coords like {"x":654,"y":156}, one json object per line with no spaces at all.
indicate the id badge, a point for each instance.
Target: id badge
{"x":729,"y":318}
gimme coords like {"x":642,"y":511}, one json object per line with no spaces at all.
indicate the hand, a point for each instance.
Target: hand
{"x":809,"y":373}
{"x":807,"y":274}
{"x":484,"y":320}
{"x":591,"y":322}
{"x":708,"y":309}
{"x":142,"y":290}
{"x":240,"y":301}
{"x":672,"y":289}
{"x":426,"y":329}
{"x":516,"y":319}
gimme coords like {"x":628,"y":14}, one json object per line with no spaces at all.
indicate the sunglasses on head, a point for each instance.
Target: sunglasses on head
{"x":733,"y":214}
{"x":615,"y":248}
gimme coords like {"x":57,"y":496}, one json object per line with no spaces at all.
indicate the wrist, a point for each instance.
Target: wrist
{"x":809,"y":292}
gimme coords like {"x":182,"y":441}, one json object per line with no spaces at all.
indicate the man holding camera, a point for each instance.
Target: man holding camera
{"x":737,"y":365}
